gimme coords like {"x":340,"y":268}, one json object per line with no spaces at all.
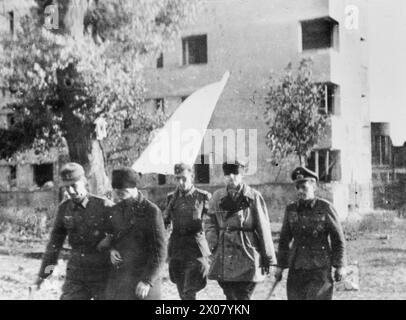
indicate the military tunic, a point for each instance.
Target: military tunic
{"x":318,"y":244}
{"x":85,"y":224}
{"x":139,"y":236}
{"x":241,"y":240}
{"x":188,"y":250}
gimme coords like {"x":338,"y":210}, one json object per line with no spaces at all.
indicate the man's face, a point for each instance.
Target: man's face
{"x":77,"y":191}
{"x":184,"y":180}
{"x":233,"y":179}
{"x":124,"y":194}
{"x":305,"y":189}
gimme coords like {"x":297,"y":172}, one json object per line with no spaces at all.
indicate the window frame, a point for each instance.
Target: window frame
{"x":186,"y":50}
{"x":35,"y":167}
{"x":334,"y":34}
{"x":331,"y":102}
{"x":204,"y":164}
{"x":334,"y":173}
{"x":160,"y":61}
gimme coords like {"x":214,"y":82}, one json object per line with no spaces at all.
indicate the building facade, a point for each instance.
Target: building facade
{"x":28,"y":182}
{"x":253,"y":38}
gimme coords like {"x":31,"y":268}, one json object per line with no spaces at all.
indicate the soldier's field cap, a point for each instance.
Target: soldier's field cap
{"x":124,"y":178}
{"x":303,"y":174}
{"x":180,"y":167}
{"x":235,"y":167}
{"x":71,"y":172}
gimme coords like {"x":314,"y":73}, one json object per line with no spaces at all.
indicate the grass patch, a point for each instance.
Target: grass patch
{"x":24,"y":226}
{"x":371,"y":223}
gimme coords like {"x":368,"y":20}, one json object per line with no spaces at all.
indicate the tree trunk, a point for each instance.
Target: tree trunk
{"x":300,"y":160}
{"x":83,"y":147}
{"x":86,"y":150}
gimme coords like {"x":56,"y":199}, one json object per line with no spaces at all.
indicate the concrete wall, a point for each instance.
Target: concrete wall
{"x":276,"y":196}
{"x":29,"y":202}
{"x":251,"y":38}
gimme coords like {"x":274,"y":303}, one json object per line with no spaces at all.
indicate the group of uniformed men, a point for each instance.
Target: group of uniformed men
{"x":118,"y":249}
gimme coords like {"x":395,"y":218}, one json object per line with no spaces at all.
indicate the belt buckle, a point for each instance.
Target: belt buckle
{"x":227,"y":229}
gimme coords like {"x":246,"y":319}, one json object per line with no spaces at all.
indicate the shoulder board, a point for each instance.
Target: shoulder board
{"x":202,"y":191}
{"x":64,"y":202}
{"x":291,"y":205}
{"x":325,"y":202}
{"x":97,"y":197}
{"x":170,"y":195}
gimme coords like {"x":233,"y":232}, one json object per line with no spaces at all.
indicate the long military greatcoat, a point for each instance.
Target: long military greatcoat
{"x":138,"y":235}
{"x":241,"y":241}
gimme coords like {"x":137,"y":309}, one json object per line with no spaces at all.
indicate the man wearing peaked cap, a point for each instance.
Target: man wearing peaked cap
{"x":188,"y":249}
{"x":137,"y":242}
{"x":304,"y":174}
{"x":83,"y":218}
{"x":71,"y":172}
{"x":234,"y":167}
{"x":318,"y":242}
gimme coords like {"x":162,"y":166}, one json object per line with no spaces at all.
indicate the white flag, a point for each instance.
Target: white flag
{"x":181,"y":137}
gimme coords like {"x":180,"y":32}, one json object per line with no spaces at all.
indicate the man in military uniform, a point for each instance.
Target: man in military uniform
{"x":84,"y":219}
{"x":318,"y":243}
{"x":138,"y":246}
{"x":239,"y":234}
{"x":188,"y":250}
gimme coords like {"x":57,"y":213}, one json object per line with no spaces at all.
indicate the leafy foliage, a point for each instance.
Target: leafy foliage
{"x":292,"y":113}
{"x":64,"y":82}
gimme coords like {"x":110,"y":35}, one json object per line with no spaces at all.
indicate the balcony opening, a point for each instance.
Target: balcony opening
{"x":194,"y":49}
{"x":43,"y":173}
{"x":326,"y":163}
{"x":330,"y":100}
{"x":161,"y":179}
{"x":319,"y":33}
{"x":202,"y":170}
{"x":160,"y":104}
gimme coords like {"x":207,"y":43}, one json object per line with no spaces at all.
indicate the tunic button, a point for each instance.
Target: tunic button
{"x":303,"y":227}
{"x":322,"y":248}
{"x":303,"y":247}
{"x":82,"y":254}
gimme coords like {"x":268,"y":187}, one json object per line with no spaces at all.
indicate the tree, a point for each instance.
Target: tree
{"x":293,"y":115}
{"x":89,"y":67}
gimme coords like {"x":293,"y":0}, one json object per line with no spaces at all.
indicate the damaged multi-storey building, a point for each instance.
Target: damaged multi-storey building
{"x":251,"y":39}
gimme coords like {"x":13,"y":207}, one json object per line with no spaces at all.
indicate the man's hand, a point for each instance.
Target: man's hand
{"x":339,"y":273}
{"x":167,"y":222}
{"x":142,"y":290}
{"x":264,"y":270}
{"x":278,"y":274}
{"x":115,"y":257}
{"x":265,"y":265}
{"x":105,"y":243}
{"x":38,"y":282}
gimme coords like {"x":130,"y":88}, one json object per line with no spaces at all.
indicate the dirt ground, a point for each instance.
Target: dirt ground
{"x":380,"y":256}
